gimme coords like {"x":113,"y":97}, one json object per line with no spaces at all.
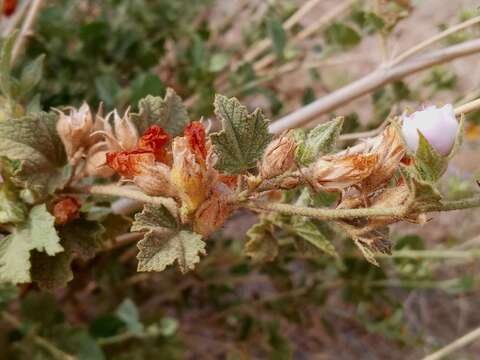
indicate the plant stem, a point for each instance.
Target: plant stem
{"x":454,"y":346}
{"x":330,"y":214}
{"x":51,"y":348}
{"x":26,"y":28}
{"x":121,"y":191}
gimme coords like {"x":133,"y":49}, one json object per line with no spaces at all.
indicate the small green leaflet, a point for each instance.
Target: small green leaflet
{"x":12,"y":210}
{"x":158,"y":249}
{"x":5,"y":64}
{"x":261,"y":245}
{"x":320,"y":140}
{"x":30,"y":77}
{"x":309,"y":231}
{"x":458,"y":138}
{"x":168,"y":113}
{"x":164,"y":243}
{"x":154,"y":216}
{"x":81,"y":238}
{"x":127,"y":311}
{"x":342,"y":36}
{"x":243,"y":138}
{"x":38,"y":233}
{"x":278,"y":36}
{"x":429,"y":163}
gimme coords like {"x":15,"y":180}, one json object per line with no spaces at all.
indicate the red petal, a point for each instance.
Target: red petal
{"x":9,"y":7}
{"x":66,"y":209}
{"x":130,"y":163}
{"x":154,"y":139}
{"x":195,"y":133}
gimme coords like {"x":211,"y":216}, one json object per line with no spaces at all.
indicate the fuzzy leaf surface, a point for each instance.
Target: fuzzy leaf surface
{"x":38,"y":233}
{"x":320,"y":140}
{"x":430,"y":164}
{"x":243,"y":138}
{"x":261,"y":245}
{"x":168,"y":113}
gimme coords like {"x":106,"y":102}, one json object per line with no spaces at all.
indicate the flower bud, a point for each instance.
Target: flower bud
{"x":336,"y":173}
{"x":123,"y":136}
{"x":74,"y":129}
{"x":438,"y":125}
{"x":279,"y":156}
{"x":66,"y":209}
{"x":214,"y":211}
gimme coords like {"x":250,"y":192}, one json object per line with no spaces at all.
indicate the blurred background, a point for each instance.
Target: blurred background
{"x":279,"y":55}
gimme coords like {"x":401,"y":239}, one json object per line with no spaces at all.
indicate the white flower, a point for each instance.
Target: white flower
{"x":438,"y":125}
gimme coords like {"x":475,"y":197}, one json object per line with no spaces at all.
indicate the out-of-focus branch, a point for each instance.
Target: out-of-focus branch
{"x":371,"y":82}
{"x":26,"y":28}
{"x":454,"y":346}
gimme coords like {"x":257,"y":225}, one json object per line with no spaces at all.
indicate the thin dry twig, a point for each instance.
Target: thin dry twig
{"x":454,"y":346}
{"x":371,"y":82}
{"x":26,"y":28}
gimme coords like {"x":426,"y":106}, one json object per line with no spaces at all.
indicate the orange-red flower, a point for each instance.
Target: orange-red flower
{"x":195,"y":133}
{"x":130,"y":163}
{"x":66,"y":209}
{"x":155,"y":140}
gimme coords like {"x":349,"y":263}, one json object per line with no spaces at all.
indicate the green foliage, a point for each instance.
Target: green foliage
{"x":261,"y":245}
{"x":278,"y":36}
{"x":243,"y":138}
{"x":163,"y":243}
{"x":168,"y":113}
{"x":320,"y":140}
{"x":342,"y":35}
{"x":38,"y":233}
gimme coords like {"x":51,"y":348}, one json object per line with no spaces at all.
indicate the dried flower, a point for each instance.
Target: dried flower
{"x":123,"y":136}
{"x":74,"y":129}
{"x":438,"y":125}
{"x":9,"y":7}
{"x":214,"y":211}
{"x":140,"y":167}
{"x":390,"y":151}
{"x":155,"y":140}
{"x":279,"y":156}
{"x":336,"y":173}
{"x":66,"y":209}
{"x":192,"y":170}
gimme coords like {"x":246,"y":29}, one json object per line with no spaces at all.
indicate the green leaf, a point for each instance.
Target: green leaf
{"x":308,"y":230}
{"x":38,"y":233}
{"x":34,"y":142}
{"x":261,"y":245}
{"x":154,"y":216}
{"x":127,"y":312}
{"x":79,"y":238}
{"x":168,"y":113}
{"x":31,"y":76}
{"x":107,"y":89}
{"x":218,"y":62}
{"x":341,"y":35}
{"x":320,"y":140}
{"x":458,"y":138}
{"x":278,"y":36}
{"x":160,"y":248}
{"x":243,"y":139}
{"x":8,"y":293}
{"x":429,"y":163}
{"x":5,"y":64}
{"x":12,"y":209}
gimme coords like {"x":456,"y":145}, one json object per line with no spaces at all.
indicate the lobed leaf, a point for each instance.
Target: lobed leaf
{"x":243,"y":138}
{"x":261,"y":245}
{"x":168,"y":113}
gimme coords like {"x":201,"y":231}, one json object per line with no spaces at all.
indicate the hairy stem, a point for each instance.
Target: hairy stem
{"x":121,"y":191}
{"x":330,"y":214}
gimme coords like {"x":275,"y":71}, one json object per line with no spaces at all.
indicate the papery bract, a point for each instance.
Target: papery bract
{"x":438,"y":125}
{"x":335,"y":173}
{"x":214,"y":211}
{"x":279,"y":156}
{"x":74,"y":129}
{"x":123,"y":135}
